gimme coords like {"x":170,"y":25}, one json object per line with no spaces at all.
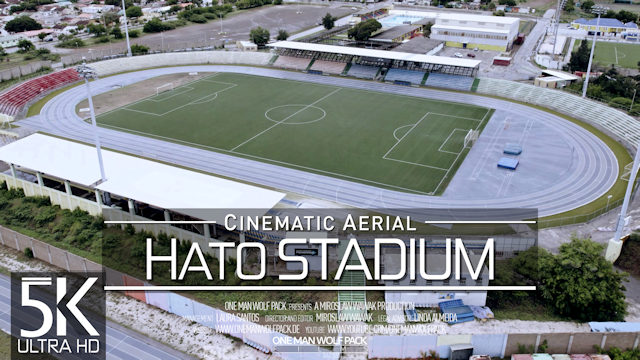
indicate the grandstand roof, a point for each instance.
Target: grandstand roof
{"x":147,"y":181}
{"x":457,"y":16}
{"x":471,"y":29}
{"x":380,"y":54}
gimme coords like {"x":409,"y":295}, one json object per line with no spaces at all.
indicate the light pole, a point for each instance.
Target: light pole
{"x":615,"y":244}
{"x":87,"y":73}
{"x":633,"y":99}
{"x":599,"y":10}
{"x":608,"y":200}
{"x":126,"y":28}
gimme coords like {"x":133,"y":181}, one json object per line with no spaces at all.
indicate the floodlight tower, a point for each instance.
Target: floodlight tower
{"x":126,"y":29}
{"x":559,"y":8}
{"x":615,"y":244}
{"x":88,"y":73}
{"x":599,"y":10}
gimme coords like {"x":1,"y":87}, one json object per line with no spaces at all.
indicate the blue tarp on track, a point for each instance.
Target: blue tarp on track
{"x":508,"y":163}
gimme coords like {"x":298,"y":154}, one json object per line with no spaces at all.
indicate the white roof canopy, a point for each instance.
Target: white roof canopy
{"x":378,"y":54}
{"x":146,"y":181}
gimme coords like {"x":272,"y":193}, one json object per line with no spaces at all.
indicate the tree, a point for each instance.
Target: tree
{"x":25,"y":46}
{"x":134,"y":12}
{"x":110,"y":17}
{"x":329,"y":21}
{"x":139,"y":49}
{"x":587,"y":5}
{"x":282,"y":35}
{"x":626,"y":16}
{"x":153,"y":26}
{"x":3,"y":52}
{"x":42,"y":35}
{"x":580,"y":58}
{"x":259,"y":36}
{"x":117,"y":33}
{"x":22,"y":23}
{"x":581,"y":284}
{"x":569,"y":6}
{"x":363,"y":30}
{"x":97,"y":29}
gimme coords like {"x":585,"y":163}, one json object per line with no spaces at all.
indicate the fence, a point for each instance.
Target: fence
{"x":577,"y":219}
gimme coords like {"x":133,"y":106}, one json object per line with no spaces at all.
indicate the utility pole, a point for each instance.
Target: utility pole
{"x":599,"y":10}
{"x":126,"y":28}
{"x":87,"y":73}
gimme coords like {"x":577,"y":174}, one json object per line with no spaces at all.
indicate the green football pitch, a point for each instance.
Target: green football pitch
{"x":618,"y":54}
{"x":390,"y":141}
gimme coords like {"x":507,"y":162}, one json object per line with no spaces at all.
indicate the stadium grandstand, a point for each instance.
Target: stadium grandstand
{"x":405,"y":77}
{"x":449,"y":81}
{"x":363,"y":71}
{"x":13,"y":100}
{"x":306,"y":52}
{"x":374,"y":12}
{"x":327,"y":67}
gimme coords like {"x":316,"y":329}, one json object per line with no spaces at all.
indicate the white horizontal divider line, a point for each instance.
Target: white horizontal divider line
{"x":314,"y":288}
{"x":480,"y":222}
{"x":160,"y":222}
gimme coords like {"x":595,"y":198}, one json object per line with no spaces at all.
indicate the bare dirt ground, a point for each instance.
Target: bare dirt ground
{"x":122,"y":96}
{"x":292,"y":18}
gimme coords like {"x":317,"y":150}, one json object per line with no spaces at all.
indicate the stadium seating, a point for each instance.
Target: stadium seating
{"x":405,"y":76}
{"x":13,"y":100}
{"x":328,"y":67}
{"x":612,"y":120}
{"x":446,"y":81}
{"x":292,"y":63}
{"x":363,"y":71}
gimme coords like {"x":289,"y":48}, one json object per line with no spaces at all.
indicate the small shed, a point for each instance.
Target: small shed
{"x":246,"y":46}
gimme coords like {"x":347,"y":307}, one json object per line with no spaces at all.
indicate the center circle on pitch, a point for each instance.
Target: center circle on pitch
{"x":295,"y":114}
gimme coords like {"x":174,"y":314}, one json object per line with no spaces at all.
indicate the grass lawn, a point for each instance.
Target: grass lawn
{"x":621,"y":55}
{"x":396,"y":142}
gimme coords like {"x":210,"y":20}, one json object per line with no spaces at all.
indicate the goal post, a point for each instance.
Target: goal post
{"x":471,"y":138}
{"x":163,"y":88}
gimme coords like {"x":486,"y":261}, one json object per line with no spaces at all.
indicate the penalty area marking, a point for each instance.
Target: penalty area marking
{"x":304,"y":106}
{"x":204,"y":99}
{"x":447,"y":139}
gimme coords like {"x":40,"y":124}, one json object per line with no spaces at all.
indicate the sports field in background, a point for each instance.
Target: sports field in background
{"x":390,"y":141}
{"x":611,"y":53}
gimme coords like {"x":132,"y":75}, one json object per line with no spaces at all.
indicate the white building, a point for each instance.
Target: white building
{"x":463,"y":30}
{"x":436,"y":263}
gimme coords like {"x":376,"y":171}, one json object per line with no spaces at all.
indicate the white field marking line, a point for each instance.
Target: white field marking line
{"x":615,"y":50}
{"x":193,"y":102}
{"x":150,"y":96}
{"x":447,"y":139}
{"x":456,"y":159}
{"x":416,"y":164}
{"x":287,"y":118}
{"x":458,"y":117}
{"x":294,"y":166}
{"x":405,"y":135}
{"x":173,"y":94}
{"x":401,"y":127}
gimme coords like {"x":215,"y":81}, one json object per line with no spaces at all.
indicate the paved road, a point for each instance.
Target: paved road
{"x":122,"y":343}
{"x":596,"y":167}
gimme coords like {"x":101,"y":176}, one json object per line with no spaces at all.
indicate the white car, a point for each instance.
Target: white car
{"x":458,"y":55}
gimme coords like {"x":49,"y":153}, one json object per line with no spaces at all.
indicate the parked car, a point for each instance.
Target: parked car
{"x":471,"y":55}
{"x":458,"y":55}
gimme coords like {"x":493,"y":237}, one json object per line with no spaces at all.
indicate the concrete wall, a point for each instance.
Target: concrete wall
{"x":123,"y":64}
{"x":63,"y":199}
